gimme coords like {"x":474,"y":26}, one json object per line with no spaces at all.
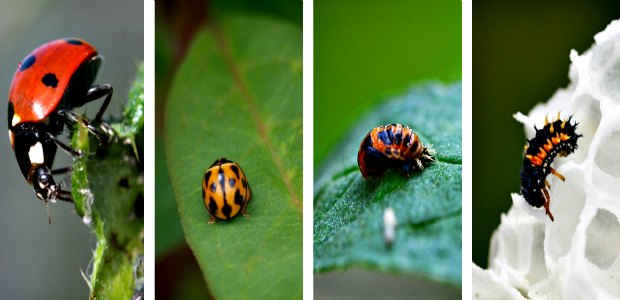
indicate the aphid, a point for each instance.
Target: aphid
{"x":392,"y":146}
{"x":555,"y":138}
{"x":389,"y":226}
{"x":48,"y":84}
{"x":225,"y":190}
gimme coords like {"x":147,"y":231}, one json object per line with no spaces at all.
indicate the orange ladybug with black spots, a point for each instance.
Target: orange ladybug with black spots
{"x":225,"y":190}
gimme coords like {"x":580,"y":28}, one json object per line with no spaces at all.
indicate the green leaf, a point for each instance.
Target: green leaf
{"x":168,"y":230}
{"x":238,"y":95}
{"x":107,"y":187}
{"x":348,"y":210}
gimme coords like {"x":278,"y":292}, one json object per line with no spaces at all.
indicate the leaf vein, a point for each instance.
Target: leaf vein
{"x":224,"y":48}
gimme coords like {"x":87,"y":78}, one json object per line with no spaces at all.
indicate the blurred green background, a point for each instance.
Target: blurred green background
{"x":177,"y":273}
{"x":37,"y":260}
{"x":520,"y":58}
{"x":364,"y":51}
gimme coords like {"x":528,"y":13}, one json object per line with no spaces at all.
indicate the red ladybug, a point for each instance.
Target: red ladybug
{"x":51,"y":81}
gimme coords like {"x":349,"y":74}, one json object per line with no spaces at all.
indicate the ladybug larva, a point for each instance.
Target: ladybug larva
{"x":225,"y":190}
{"x":555,"y":138}
{"x":392,"y":146}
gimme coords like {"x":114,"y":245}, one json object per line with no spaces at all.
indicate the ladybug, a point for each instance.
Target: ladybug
{"x":555,"y":138}
{"x":48,"y":83}
{"x":225,"y":190}
{"x":392,"y":146}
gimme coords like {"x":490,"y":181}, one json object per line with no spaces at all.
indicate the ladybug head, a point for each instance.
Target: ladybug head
{"x":46,"y":189}
{"x":44,"y":185}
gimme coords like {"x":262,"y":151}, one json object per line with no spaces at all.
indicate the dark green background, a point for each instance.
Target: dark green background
{"x":520,"y":58}
{"x":366,"y":50}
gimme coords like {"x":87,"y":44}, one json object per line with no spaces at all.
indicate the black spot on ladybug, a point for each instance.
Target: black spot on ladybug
{"x":27,"y":62}
{"x":212,"y":205}
{"x":73,"y":41}
{"x":227,"y":210}
{"x":235,"y":170}
{"x":232,"y":182}
{"x":238,"y":198}
{"x":245,"y":183}
{"x":207,"y":176}
{"x":50,"y":80}
{"x":124,"y":182}
{"x":213,"y":187}
{"x":203,"y":193}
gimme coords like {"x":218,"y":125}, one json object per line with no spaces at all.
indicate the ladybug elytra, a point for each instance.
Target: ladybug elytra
{"x":225,"y":190}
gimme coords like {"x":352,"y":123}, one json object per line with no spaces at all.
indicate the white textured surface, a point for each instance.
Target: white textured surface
{"x":577,"y":256}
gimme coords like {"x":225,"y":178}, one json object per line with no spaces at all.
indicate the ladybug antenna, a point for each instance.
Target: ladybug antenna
{"x":49,"y":215}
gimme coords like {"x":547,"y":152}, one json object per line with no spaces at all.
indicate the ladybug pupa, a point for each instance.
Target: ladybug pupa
{"x":555,"y":138}
{"x":392,"y":146}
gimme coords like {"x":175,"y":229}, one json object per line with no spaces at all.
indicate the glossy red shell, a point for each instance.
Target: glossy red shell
{"x":33,"y":100}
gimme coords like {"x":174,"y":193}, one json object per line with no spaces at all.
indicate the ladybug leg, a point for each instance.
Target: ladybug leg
{"x":245,"y":206}
{"x":547,"y":200}
{"x":58,"y":195}
{"x":419,"y":163}
{"x":63,"y":146}
{"x":211,"y":219}
{"x":97,"y":91}
{"x":412,"y":165}
{"x":558,"y":175}
{"x":64,"y":195}
{"x":72,"y":118}
{"x":62,"y":171}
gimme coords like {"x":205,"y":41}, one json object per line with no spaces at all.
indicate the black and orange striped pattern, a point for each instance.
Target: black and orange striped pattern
{"x":555,"y":138}
{"x":225,"y":190}
{"x":392,"y":146}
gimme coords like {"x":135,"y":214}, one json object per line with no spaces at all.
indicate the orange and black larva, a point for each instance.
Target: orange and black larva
{"x":225,"y":190}
{"x":555,"y":138}
{"x":392,"y":146}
